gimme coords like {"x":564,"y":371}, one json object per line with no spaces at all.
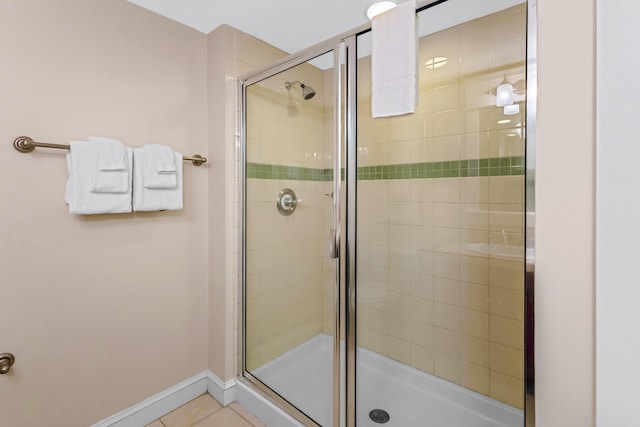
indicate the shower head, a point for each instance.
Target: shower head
{"x":307,"y":91}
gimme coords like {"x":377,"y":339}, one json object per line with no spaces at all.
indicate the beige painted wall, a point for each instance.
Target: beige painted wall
{"x":98,"y":310}
{"x":565,"y":214}
{"x":230,"y":53}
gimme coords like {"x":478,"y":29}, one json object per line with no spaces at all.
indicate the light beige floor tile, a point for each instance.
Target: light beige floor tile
{"x":156,"y":423}
{"x":192,"y":412}
{"x":247,"y":415}
{"x":225,"y":417}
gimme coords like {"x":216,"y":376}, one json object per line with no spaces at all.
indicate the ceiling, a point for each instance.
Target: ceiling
{"x":290,"y":25}
{"x":293,"y":25}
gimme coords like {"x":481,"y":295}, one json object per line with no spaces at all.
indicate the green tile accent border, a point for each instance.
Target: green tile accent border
{"x":497,"y":166}
{"x":262,"y":171}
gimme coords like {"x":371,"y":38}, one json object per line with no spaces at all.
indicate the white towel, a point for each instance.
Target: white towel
{"x":155,"y":199}
{"x":112,"y":170}
{"x":78,"y":194}
{"x":394,"y":61}
{"x":160,"y":166}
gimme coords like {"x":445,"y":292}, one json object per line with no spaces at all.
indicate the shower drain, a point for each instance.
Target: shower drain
{"x":379,"y":416}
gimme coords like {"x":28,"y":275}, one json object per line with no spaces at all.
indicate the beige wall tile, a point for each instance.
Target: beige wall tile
{"x":447,"y":266}
{"x":423,"y":238}
{"x":422,"y":262}
{"x":474,"y":216}
{"x":475,"y":377}
{"x":506,"y":274}
{"x":507,"y":303}
{"x":400,"y":213}
{"x":474,"y":190}
{"x":446,"y":148}
{"x":474,"y":269}
{"x":447,"y":291}
{"x":447,"y":316}
{"x":400,"y":281}
{"x":448,"y":342}
{"x":423,"y":190}
{"x":506,"y":143}
{"x":506,"y":189}
{"x":474,"y":296}
{"x":506,"y":389}
{"x":446,"y":215}
{"x":448,"y":367}
{"x":447,"y":190}
{"x":506,"y":331}
{"x":422,"y":214}
{"x":422,"y":333}
{"x":474,"y":145}
{"x":474,"y":323}
{"x":475,"y":350}
{"x":423,"y":358}
{"x":446,"y":97}
{"x":422,"y":286}
{"x":446,"y":240}
{"x":507,"y":360}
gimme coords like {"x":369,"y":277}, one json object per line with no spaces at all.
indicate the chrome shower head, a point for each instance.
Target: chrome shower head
{"x":307,"y":91}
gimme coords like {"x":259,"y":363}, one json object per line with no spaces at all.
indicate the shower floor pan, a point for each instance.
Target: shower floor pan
{"x":412,"y":398}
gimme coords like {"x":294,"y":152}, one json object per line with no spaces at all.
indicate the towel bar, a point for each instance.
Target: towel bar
{"x":24,"y":144}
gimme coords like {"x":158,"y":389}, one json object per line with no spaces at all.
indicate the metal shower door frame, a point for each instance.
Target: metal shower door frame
{"x":347,"y":137}
{"x":291,"y":61}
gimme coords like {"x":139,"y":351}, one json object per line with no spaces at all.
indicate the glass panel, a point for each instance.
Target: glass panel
{"x":441,"y":226}
{"x":290,"y":273}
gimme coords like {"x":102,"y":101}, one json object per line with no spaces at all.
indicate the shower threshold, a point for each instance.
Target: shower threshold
{"x":412,"y":398}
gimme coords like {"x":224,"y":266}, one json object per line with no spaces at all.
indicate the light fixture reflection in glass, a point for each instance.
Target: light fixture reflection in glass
{"x":503,"y":122}
{"x":437,"y":62}
{"x":504,"y":93}
{"x":510,"y":110}
{"x":379,"y":7}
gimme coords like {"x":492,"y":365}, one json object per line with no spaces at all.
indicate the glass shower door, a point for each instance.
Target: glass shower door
{"x":290,"y":264}
{"x":440,"y":226}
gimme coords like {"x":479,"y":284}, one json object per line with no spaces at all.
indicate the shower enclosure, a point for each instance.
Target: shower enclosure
{"x":383,"y":261}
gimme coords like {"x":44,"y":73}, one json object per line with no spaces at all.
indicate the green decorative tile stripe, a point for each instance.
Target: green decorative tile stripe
{"x":498,"y":166}
{"x":502,"y":166}
{"x":261,"y":171}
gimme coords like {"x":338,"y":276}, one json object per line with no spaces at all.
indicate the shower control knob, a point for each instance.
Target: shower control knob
{"x":6,"y":362}
{"x":287,"y":202}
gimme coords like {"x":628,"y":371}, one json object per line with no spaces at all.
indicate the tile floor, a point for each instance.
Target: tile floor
{"x":205,"y":411}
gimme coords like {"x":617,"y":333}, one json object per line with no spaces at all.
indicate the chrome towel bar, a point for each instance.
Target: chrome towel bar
{"x":24,"y":144}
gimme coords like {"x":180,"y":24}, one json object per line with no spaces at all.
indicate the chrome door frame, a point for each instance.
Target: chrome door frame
{"x":349,"y":288}
{"x":243,"y":82}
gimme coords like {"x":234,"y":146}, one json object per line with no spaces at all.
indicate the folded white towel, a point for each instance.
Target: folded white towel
{"x":394,"y":61}
{"x":155,"y":199}
{"x":78,"y":195}
{"x":112,"y":170}
{"x":113,"y":156}
{"x":160,"y":166}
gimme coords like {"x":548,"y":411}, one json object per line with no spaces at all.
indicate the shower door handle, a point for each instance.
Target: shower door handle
{"x":334,"y":243}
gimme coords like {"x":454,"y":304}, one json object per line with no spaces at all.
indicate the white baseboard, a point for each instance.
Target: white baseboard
{"x":223,"y":392}
{"x":166,"y":401}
